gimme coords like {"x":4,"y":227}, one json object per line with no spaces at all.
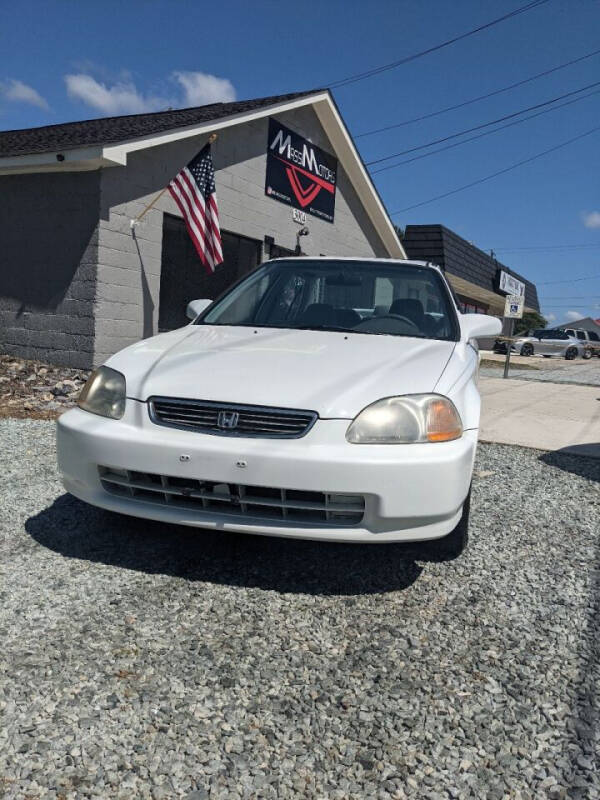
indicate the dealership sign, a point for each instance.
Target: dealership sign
{"x":300,"y":174}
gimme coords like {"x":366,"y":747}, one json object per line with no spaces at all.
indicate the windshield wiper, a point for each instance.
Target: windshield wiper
{"x":334,"y":328}
{"x":324,"y":328}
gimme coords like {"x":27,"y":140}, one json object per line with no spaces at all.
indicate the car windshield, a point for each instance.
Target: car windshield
{"x":362,"y":297}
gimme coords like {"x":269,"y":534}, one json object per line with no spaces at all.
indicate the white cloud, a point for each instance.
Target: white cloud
{"x":120,"y":98}
{"x":591,"y":219}
{"x":20,"y":92}
{"x":200,"y":88}
{"x":123,"y":97}
{"x":572,"y":316}
{"x":550,"y":317}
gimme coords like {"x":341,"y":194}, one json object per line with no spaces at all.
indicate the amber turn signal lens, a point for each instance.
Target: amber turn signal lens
{"x":443,"y":422}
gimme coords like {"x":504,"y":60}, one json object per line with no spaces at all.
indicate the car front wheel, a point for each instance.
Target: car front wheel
{"x":571,"y":353}
{"x":527,"y":349}
{"x":452,"y":545}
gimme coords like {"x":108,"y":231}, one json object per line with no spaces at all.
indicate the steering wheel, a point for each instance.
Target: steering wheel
{"x":406,"y":320}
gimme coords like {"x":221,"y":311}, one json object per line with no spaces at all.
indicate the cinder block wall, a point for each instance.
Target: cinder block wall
{"x":48,"y":256}
{"x":128,"y":282}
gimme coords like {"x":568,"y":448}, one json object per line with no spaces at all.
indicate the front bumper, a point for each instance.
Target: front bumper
{"x":501,"y":347}
{"x":412,"y":492}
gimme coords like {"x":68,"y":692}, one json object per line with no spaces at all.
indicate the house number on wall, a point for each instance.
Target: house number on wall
{"x":298,"y":216}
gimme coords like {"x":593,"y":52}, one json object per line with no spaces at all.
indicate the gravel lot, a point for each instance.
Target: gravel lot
{"x":553,"y":371}
{"x":146,"y":661}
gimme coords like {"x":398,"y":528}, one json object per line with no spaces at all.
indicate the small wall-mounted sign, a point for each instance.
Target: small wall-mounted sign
{"x":298,"y":216}
{"x":513,"y":306}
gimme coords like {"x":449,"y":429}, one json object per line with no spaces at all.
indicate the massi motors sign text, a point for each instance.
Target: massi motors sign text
{"x":300,"y":174}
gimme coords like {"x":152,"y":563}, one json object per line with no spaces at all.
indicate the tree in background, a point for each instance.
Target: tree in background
{"x":529,"y":321}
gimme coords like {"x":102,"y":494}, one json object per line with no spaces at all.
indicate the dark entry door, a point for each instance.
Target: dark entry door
{"x":183,"y":276}
{"x":279,"y":252}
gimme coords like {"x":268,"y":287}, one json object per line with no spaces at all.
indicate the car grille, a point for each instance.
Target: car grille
{"x":230,"y":419}
{"x":259,"y":502}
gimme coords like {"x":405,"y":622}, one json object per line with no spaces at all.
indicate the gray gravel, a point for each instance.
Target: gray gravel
{"x":140,"y":660}
{"x":579,"y":372}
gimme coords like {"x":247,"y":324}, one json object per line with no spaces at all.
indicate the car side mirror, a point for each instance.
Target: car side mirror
{"x":474,"y":326}
{"x":195,"y":307}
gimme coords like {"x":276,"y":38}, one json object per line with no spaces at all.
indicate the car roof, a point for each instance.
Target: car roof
{"x":403,"y":262}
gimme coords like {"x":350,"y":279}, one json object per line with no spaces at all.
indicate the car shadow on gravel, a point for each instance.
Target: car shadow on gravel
{"x":78,"y":530}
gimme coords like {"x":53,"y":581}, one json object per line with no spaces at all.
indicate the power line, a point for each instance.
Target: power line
{"x":569,"y":280}
{"x":383,"y":68}
{"x":499,"y":172}
{"x":481,"y":135}
{"x":477,"y":99}
{"x":568,"y":305}
{"x":544,"y":247}
{"x":484,"y":124}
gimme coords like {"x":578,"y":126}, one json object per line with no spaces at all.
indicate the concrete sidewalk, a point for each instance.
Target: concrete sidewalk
{"x":547,"y":416}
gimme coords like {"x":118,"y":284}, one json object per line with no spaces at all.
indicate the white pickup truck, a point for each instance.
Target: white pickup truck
{"x":589,"y":339}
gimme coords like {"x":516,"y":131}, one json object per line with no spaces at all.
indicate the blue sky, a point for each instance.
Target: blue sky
{"x":67,"y":60}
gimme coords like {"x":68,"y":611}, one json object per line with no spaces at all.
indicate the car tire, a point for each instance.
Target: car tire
{"x":571,"y":353}
{"x":455,"y":543}
{"x":587,"y":354}
{"x":527,"y":349}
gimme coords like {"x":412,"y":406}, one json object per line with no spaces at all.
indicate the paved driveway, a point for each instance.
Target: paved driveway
{"x":141,"y":660}
{"x":549,"y":416}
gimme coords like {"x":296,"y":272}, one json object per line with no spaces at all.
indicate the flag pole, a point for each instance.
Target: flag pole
{"x":132,"y":223}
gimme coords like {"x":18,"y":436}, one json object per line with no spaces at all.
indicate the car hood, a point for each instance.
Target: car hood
{"x":335,"y":374}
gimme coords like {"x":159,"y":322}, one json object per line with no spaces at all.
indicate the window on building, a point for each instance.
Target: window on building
{"x":183,"y":277}
{"x":470,"y":306}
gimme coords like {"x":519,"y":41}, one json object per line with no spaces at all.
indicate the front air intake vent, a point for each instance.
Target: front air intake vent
{"x":238,"y":500}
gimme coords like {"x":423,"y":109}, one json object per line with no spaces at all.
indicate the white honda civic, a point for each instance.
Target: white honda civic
{"x":318,"y":398}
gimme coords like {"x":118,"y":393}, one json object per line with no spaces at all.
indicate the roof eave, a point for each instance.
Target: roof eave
{"x":96,"y":156}
{"x":76,"y":159}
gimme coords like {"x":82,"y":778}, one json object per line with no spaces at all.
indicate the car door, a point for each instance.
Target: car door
{"x":542,"y":344}
{"x":560,"y":343}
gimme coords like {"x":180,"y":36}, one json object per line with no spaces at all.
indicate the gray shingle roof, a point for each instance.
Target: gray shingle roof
{"x":110,"y":130}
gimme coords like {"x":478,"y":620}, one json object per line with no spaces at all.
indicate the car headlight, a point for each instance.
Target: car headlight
{"x":104,"y":393}
{"x":406,"y":420}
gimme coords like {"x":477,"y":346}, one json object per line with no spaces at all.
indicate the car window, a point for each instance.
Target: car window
{"x":562,"y":335}
{"x":580,"y":334}
{"x":593,"y":336}
{"x":367,"y":297}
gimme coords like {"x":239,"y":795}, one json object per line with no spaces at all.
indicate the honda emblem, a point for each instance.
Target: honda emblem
{"x":228,"y":419}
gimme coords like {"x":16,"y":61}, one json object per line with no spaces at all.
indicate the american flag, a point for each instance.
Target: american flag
{"x":193,"y":189}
